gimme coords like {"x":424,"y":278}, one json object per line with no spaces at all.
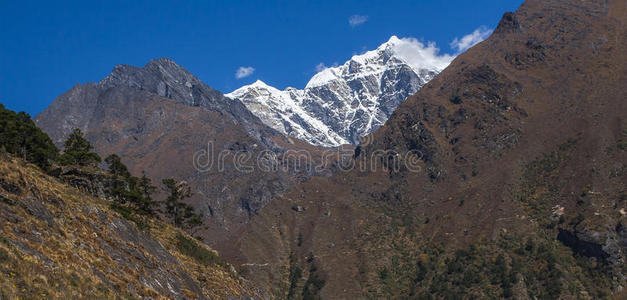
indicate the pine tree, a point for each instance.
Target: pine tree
{"x":20,"y":136}
{"x":181,"y":214}
{"x":148,"y":205}
{"x":78,"y":151}
{"x":137,"y":191}
{"x":116,"y":167}
{"x":174,"y":207}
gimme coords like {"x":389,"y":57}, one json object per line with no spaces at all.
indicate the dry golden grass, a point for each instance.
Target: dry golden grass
{"x":79,"y":248}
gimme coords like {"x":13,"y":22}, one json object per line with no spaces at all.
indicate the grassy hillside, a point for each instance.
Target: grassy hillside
{"x":57,"y":242}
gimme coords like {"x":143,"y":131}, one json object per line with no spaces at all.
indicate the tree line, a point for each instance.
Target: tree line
{"x":134,"y":196}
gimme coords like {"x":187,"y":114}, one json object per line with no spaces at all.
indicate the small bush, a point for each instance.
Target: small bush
{"x":190,"y":248}
{"x":314,"y":283}
{"x":295,"y":275}
{"x":4,"y":256}
{"x":128,"y":213}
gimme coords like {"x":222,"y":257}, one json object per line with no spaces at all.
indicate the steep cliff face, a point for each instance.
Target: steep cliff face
{"x":504,"y":176}
{"x":341,"y":104}
{"x":57,"y":242}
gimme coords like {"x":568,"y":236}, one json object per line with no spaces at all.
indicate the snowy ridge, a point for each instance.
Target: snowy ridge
{"x":408,"y":51}
{"x":343,"y":103}
{"x":280,"y":110}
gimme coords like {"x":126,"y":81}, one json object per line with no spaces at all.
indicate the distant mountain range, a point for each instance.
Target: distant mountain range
{"x":340,"y":104}
{"x":160,"y":113}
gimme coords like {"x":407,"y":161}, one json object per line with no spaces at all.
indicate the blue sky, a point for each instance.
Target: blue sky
{"x":46,"y":47}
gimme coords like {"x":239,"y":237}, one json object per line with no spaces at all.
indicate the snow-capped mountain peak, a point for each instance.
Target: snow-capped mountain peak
{"x":282,"y":111}
{"x":406,"y":51}
{"x":340,"y":104}
{"x":255,"y":86}
{"x":260,"y":84}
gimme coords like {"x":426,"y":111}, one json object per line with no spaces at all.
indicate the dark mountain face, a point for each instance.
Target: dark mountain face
{"x":166,"y":79}
{"x":169,"y":80}
{"x":161,"y":77}
{"x":520,"y":138}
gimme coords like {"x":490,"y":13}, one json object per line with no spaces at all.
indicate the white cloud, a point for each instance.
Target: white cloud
{"x":356,"y":20}
{"x":419,"y":55}
{"x":471,"y":39}
{"x":244,"y":72}
{"x":322,"y":66}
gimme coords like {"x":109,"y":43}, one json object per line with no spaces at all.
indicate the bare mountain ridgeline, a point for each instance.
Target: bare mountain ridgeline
{"x":160,"y":77}
{"x":503,"y":176}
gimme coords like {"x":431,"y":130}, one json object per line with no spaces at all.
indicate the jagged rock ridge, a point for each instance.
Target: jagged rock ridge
{"x":163,"y":77}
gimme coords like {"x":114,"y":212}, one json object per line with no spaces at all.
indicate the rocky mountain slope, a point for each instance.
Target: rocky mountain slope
{"x":59,"y":243}
{"x":341,"y":104}
{"x":162,"y":120}
{"x":503,"y":177}
{"x":157,"y":117}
